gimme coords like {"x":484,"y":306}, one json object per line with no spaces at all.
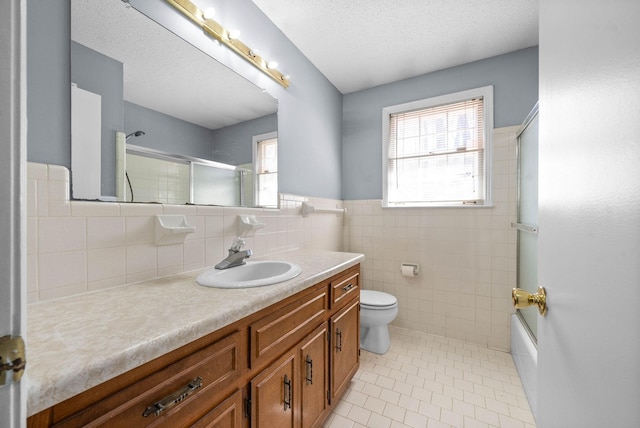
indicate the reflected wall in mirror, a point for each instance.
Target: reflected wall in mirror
{"x":191,"y":110}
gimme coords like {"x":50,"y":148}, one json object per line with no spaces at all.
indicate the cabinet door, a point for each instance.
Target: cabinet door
{"x":227,"y":414}
{"x":345,"y":347}
{"x":314,"y":377}
{"x":273,"y":392}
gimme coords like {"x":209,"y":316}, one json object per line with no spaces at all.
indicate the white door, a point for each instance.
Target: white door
{"x":589,"y":214}
{"x":12,"y":217}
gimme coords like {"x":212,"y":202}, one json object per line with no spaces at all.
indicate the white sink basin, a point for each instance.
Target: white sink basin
{"x":251,"y":274}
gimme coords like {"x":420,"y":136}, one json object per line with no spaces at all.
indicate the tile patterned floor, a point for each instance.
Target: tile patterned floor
{"x":430,"y":381}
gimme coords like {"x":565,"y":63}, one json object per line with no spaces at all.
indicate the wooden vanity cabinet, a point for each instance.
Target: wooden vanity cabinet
{"x":313,"y":364}
{"x":196,"y":382}
{"x":272,"y":394}
{"x":283,"y":366}
{"x":345,"y":346}
{"x":344,"y":287}
{"x":282,"y":327}
{"x":293,"y":391}
{"x":228,"y":414}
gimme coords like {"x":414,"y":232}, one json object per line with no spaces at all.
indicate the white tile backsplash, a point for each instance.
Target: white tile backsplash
{"x":79,"y":246}
{"x":105,"y":232}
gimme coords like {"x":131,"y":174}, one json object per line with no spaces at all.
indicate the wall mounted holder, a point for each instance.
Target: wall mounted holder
{"x":409,"y":269}
{"x":172,"y":229}
{"x":248,"y":224}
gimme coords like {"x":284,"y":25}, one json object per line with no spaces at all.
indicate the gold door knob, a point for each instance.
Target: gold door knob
{"x":522,"y":299}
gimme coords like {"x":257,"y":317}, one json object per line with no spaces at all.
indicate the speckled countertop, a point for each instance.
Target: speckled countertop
{"x":78,"y":342}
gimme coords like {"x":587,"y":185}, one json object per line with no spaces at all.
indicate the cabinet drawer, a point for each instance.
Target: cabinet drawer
{"x":281,"y":329}
{"x":345,"y":287}
{"x":217,"y":365}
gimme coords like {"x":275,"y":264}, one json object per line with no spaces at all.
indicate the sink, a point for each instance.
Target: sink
{"x":251,"y":274}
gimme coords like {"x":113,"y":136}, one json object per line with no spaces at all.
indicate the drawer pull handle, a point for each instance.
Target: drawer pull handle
{"x":168,"y":402}
{"x":309,"y":364}
{"x":338,"y":340}
{"x":287,"y":393}
{"x":347,"y":287}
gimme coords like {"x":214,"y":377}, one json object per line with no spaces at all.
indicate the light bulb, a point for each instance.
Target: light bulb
{"x":234,"y":34}
{"x":272,"y":64}
{"x":209,"y":13}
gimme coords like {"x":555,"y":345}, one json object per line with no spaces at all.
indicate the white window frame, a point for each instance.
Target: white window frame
{"x":255,"y":140}
{"x":486,"y":92}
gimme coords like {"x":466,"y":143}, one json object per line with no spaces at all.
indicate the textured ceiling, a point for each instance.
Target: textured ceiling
{"x":164,"y":73}
{"x":358,"y":44}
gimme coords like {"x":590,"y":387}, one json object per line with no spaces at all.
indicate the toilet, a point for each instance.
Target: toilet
{"x":377,"y":310}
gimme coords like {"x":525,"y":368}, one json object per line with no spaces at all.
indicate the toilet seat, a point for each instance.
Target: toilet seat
{"x":377,"y":300}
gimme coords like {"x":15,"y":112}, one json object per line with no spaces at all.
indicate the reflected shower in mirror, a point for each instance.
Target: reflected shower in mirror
{"x":163,"y":107}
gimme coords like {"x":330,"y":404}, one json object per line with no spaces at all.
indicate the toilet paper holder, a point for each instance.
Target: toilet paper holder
{"x":409,"y":269}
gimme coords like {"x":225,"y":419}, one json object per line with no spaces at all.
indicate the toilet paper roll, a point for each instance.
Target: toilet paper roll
{"x":409,"y":270}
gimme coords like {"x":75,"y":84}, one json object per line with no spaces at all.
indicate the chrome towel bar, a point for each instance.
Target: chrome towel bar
{"x":525,"y":227}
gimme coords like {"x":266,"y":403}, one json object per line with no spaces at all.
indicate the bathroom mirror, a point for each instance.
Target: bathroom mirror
{"x":187,"y":105}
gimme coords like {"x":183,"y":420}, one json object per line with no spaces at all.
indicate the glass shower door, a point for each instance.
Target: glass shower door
{"x":528,"y":216}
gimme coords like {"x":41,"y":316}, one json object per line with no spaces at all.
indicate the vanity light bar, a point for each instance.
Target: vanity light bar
{"x":217,"y":31}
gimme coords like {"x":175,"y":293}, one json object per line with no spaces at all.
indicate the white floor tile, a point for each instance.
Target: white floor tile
{"x":431,"y":381}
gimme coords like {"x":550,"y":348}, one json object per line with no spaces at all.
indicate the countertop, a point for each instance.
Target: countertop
{"x":78,"y":342}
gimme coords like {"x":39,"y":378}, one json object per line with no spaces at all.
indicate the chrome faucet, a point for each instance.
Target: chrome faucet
{"x":236,"y":256}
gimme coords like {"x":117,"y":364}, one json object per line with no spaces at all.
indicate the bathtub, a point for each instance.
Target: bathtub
{"x":525,"y":357}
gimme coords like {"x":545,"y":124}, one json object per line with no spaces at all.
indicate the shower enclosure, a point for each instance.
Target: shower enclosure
{"x":154,"y":176}
{"x":525,"y":321}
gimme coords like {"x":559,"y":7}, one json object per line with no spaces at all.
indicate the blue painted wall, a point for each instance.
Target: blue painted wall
{"x":48,"y":82}
{"x":97,"y":73}
{"x":514,"y":77}
{"x":318,"y":156}
{"x":167,"y":133}
{"x":234,"y":144}
{"x":309,"y":111}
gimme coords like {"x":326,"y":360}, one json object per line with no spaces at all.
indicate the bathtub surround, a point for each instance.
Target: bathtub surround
{"x":467,"y":257}
{"x":76,"y":247}
{"x":525,"y":357}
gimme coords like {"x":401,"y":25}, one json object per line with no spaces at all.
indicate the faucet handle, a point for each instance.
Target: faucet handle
{"x":237,"y":244}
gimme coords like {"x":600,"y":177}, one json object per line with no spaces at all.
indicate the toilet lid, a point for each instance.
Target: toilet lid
{"x":376,"y":298}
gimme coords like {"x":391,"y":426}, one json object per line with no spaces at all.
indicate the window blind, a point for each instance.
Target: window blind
{"x":436,"y":155}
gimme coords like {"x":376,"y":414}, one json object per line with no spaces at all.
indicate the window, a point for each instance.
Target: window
{"x":437,"y":150}
{"x":266,"y":167}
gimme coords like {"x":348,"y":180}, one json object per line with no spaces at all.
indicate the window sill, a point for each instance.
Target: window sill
{"x":466,"y":206}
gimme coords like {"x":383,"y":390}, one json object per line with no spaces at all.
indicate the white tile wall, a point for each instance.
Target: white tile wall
{"x":467,"y":257}
{"x":169,"y":186}
{"x":78,"y":246}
